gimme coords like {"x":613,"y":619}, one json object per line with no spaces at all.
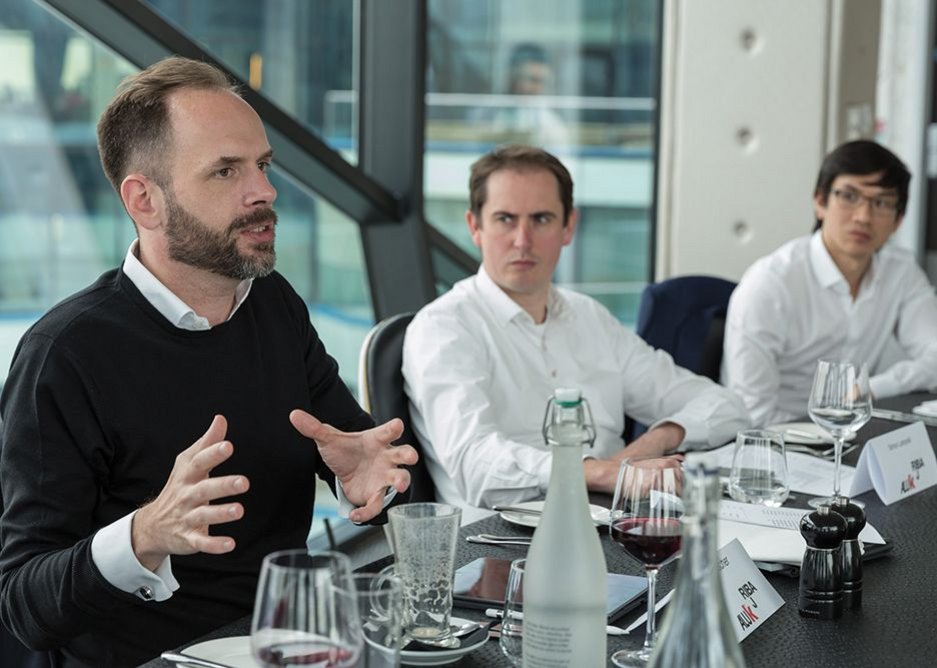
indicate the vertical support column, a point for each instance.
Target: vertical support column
{"x":391,"y":141}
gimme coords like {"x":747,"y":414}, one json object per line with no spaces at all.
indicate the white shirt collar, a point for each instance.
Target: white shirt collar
{"x":828,"y":274}
{"x":175,"y":310}
{"x":505,"y":308}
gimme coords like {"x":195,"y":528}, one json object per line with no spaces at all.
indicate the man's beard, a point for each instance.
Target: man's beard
{"x":192,"y":242}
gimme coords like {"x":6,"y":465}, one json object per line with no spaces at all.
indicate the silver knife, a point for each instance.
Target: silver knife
{"x":179,"y":657}
{"x":516,"y":509}
{"x":898,"y":416}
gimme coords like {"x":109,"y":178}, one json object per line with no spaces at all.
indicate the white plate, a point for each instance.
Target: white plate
{"x":805,"y":433}
{"x":234,"y":651}
{"x":599,"y":514}
{"x":443,"y":656}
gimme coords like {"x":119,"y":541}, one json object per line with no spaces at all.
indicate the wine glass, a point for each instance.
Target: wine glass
{"x":645,"y":521}
{"x":306,"y":612}
{"x":840,"y":402}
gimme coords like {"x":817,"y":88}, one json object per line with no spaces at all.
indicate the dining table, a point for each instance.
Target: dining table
{"x":895,"y":625}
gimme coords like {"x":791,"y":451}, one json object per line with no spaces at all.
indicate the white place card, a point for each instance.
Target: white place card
{"x":749,"y":597}
{"x":897,"y":464}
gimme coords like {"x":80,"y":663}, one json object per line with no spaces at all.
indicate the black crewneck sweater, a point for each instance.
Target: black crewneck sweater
{"x":103,"y":393}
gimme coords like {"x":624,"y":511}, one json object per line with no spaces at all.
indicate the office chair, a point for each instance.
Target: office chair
{"x":380,"y":392}
{"x":685,"y":316}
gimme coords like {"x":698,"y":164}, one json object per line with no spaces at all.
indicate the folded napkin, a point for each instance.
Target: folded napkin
{"x":927,"y":409}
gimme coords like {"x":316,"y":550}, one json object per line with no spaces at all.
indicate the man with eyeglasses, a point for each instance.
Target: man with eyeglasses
{"x":839,"y":293}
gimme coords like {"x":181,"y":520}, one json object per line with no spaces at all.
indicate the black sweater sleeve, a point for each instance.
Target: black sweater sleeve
{"x":49,"y":587}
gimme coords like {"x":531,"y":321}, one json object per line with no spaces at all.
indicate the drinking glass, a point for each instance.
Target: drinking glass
{"x":380,"y":609}
{"x":840,"y":402}
{"x":645,"y":521}
{"x":424,"y":542}
{"x":512,"y":622}
{"x":759,"y":468}
{"x":303,"y":613}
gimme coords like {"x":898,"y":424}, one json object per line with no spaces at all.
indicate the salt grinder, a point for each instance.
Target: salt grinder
{"x":850,"y":552}
{"x":821,"y":585}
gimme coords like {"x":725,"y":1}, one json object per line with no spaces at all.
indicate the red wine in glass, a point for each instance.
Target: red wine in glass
{"x":650,"y":540}
{"x":645,"y":520}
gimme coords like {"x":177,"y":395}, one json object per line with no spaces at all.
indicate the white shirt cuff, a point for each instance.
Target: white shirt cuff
{"x":112,"y":553}
{"x":345,"y":506}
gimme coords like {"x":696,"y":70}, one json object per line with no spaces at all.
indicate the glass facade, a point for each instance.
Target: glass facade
{"x":577,"y":77}
{"x":297,"y":53}
{"x":61,"y":221}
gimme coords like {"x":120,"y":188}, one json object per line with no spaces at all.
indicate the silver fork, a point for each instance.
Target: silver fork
{"x":829,"y":453}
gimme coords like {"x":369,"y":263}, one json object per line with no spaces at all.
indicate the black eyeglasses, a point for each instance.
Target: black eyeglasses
{"x":881,"y":205}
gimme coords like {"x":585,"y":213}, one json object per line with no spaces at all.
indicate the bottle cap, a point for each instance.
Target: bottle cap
{"x":567,"y":397}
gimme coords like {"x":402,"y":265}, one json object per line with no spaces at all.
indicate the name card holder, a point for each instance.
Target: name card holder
{"x":749,"y":597}
{"x":896,"y":465}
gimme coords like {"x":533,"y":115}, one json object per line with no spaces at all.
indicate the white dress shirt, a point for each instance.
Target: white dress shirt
{"x":478,"y":372}
{"x":793,"y":307}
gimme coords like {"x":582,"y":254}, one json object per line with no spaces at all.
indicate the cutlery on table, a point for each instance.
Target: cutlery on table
{"x":498,"y":614}
{"x":179,"y":657}
{"x":824,"y":454}
{"x":532,"y":511}
{"x":489,"y":539}
{"x":459,"y":632}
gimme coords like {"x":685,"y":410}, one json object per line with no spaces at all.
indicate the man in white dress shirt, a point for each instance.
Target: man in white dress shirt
{"x":480,"y":362}
{"x":840,"y":293}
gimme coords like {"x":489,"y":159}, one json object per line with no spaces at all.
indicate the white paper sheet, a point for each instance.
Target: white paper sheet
{"x":771,"y":534}
{"x":806,"y":474}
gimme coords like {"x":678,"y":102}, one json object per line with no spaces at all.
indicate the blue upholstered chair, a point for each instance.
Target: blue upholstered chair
{"x":685,"y":316}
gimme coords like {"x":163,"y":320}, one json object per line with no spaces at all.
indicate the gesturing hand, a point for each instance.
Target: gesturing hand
{"x":177,"y":521}
{"x":364,"y":462}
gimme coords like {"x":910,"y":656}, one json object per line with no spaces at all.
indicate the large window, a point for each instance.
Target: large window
{"x":577,"y":77}
{"x":61,"y":223}
{"x":301,"y":55}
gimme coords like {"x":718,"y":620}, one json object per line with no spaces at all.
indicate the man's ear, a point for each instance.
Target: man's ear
{"x":474,"y":225}
{"x":570,"y":228}
{"x":820,"y":202}
{"x":143,"y":200}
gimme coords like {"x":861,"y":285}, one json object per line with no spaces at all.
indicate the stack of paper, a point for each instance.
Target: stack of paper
{"x":771,"y":534}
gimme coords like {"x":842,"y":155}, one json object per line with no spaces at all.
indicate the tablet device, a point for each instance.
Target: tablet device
{"x":481,"y":584}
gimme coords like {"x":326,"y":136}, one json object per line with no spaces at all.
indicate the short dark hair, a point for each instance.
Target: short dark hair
{"x":133,"y":130}
{"x":862,"y":157}
{"x":520,"y":159}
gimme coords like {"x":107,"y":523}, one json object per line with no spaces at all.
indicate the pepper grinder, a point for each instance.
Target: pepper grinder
{"x":850,"y":552}
{"x":821,"y":586}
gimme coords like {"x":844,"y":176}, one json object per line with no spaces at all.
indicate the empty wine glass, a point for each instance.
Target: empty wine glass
{"x":840,"y":402}
{"x":305,"y":612}
{"x":645,"y":521}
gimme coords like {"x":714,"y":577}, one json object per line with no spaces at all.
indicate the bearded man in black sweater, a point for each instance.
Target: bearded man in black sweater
{"x":112,"y":487}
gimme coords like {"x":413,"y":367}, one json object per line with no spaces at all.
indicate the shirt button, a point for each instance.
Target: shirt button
{"x":553,"y":373}
{"x":145,"y":593}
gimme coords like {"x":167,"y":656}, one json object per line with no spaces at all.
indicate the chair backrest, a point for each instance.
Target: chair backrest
{"x":686,"y":317}
{"x":380,"y":392}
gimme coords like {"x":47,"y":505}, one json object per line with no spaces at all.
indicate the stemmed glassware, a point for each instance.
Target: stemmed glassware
{"x":840,"y":402}
{"x":645,"y":521}
{"x":306,"y":612}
